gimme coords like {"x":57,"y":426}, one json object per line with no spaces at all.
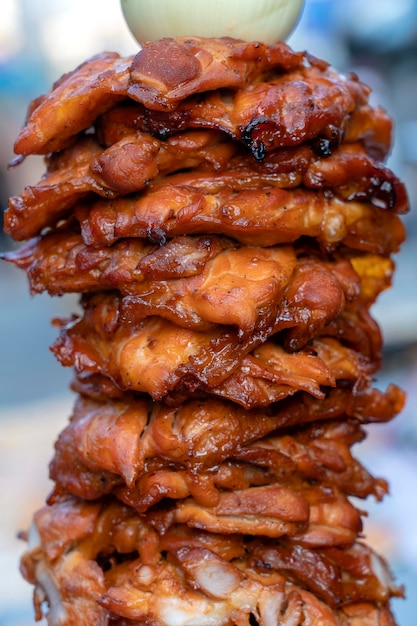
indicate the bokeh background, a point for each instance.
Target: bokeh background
{"x":40,"y":40}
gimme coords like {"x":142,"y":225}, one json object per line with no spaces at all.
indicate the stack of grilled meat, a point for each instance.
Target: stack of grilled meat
{"x":224,"y":210}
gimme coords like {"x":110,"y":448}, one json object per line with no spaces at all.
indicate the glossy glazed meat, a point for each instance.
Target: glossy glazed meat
{"x":108,"y":444}
{"x":262,"y":217}
{"x":225,"y":213}
{"x":139,"y":160}
{"x":194,"y":574}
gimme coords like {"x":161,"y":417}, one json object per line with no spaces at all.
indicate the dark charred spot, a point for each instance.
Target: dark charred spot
{"x":157,"y":236}
{"x":256,"y":146}
{"x":324,"y":145}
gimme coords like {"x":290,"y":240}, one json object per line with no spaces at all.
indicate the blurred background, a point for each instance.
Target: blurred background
{"x":40,"y":40}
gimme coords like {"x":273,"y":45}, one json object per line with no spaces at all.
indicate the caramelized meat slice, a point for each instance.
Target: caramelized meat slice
{"x":307,"y":100}
{"x":367,"y":125}
{"x":156,"y":356}
{"x":159,"y":358}
{"x":261,"y":217}
{"x":312,"y":516}
{"x":354,"y":175}
{"x":368,"y":405}
{"x":134,"y":161}
{"x":237,"y":287}
{"x":73,"y":104}
{"x":92,"y":88}
{"x":167,"y":71}
{"x":158,"y":452}
{"x":69,"y":180}
{"x":355,"y":573}
{"x":349,"y":172}
{"x":137,"y":159}
{"x":127,"y":166}
{"x":193,"y":281}
{"x":60,"y":262}
{"x":117,"y":567}
{"x":319,"y":453}
{"x":107,"y":443}
{"x":269,"y":374}
{"x":311,"y":102}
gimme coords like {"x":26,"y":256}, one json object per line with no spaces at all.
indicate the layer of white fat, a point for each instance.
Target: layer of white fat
{"x":192,"y":612}
{"x":270,"y":606}
{"x":57,"y":614}
{"x":200,"y":611}
{"x":218,"y":582}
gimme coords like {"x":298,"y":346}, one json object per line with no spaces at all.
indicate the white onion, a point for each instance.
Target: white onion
{"x":269,"y":21}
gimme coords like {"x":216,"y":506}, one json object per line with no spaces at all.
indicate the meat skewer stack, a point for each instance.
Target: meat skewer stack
{"x":224,"y":210}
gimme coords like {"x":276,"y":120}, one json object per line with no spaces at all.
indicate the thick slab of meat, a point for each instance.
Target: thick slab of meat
{"x":60,"y":262}
{"x":198,"y":281}
{"x":370,"y":126}
{"x":198,"y":575}
{"x":73,"y":104}
{"x":307,"y":100}
{"x":193,"y":281}
{"x":312,"y":516}
{"x":165,"y":72}
{"x":127,"y":166}
{"x":133,"y":162}
{"x":156,"y":356}
{"x":197,"y":433}
{"x":261,"y":217}
{"x":160,"y":452}
{"x":320,"y":453}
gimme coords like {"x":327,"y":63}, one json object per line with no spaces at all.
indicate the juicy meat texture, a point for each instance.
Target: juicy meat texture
{"x":96,"y":85}
{"x":300,"y":106}
{"x":311,"y":515}
{"x":224,"y":210}
{"x":269,"y":373}
{"x":193,"y":281}
{"x":323,"y":569}
{"x":127,"y":166}
{"x":307,"y":101}
{"x":320,"y":453}
{"x":60,"y":262}
{"x":73,"y":104}
{"x":188,"y":574}
{"x":197,"y":433}
{"x":175,"y":451}
{"x":160,"y":359}
{"x":262,"y":217}
{"x":138,"y":160}
{"x":368,"y":405}
{"x":370,"y":126}
{"x":165,"y":72}
{"x":156,"y":356}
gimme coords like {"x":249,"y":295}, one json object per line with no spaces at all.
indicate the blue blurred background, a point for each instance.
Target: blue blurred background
{"x":40,"y":40}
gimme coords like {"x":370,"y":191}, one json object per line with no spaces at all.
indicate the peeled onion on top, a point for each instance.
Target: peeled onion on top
{"x":269,"y":21}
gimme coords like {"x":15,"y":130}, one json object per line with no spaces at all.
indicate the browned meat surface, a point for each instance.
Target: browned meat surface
{"x":224,"y":211}
{"x":73,"y":104}
{"x":156,"y":356}
{"x":136,"y":161}
{"x":262,"y":217}
{"x":195,"y":574}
